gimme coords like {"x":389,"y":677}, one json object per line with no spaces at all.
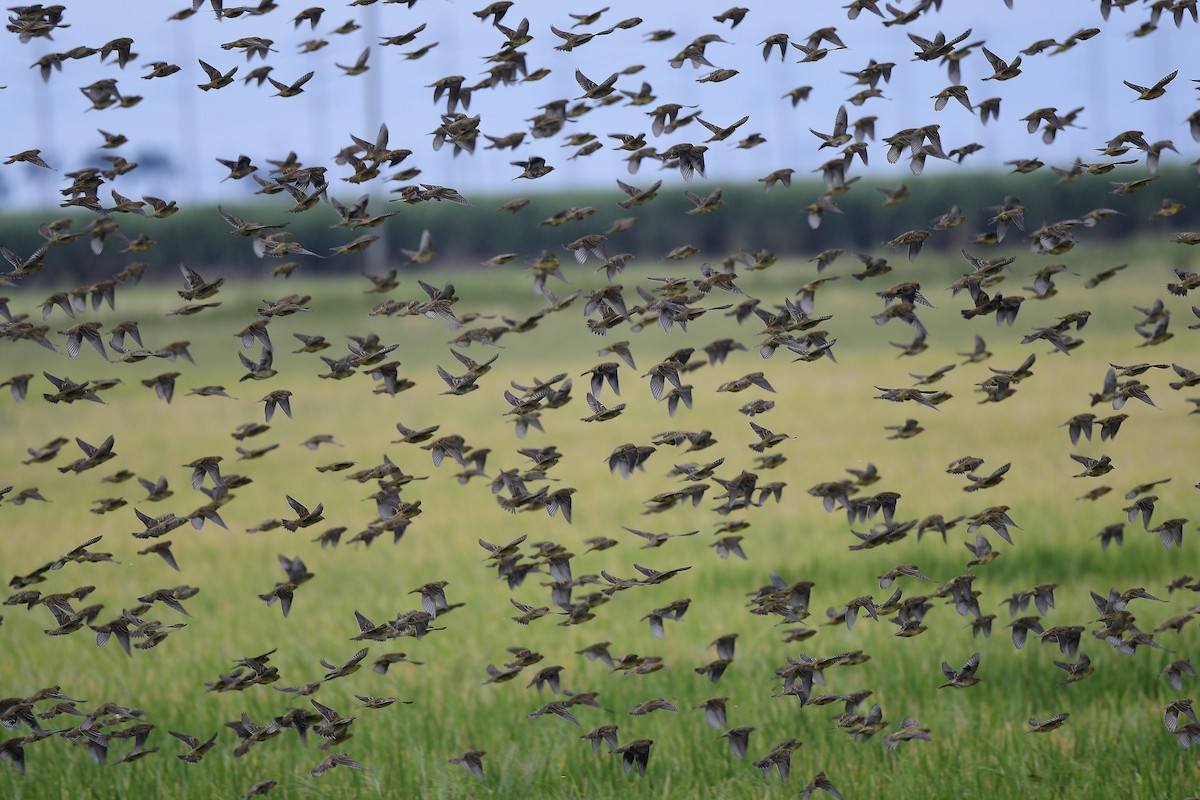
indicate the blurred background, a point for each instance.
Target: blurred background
{"x":176,"y":131}
{"x":176,"y":134}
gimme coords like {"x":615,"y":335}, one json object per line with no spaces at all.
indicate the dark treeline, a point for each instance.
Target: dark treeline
{"x":750,"y":219}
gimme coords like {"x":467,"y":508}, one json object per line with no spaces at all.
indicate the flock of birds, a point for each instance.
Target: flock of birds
{"x":791,"y":328}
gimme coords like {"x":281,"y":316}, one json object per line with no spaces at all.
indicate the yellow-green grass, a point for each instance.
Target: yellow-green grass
{"x":1114,"y":743}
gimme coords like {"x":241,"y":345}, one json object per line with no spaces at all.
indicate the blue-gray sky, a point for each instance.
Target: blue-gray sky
{"x":193,"y":128}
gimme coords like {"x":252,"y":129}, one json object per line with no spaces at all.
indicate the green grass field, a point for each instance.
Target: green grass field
{"x":1113,"y":745}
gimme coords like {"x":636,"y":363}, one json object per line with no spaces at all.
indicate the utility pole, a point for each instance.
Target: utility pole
{"x":377,"y":253}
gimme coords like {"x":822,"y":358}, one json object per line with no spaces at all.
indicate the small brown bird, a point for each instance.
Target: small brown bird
{"x":334,"y":760}
{"x":798,"y":95}
{"x":909,"y":730}
{"x":304,"y":517}
{"x":600,"y":412}
{"x":260,"y":789}
{"x":739,"y":739}
{"x":216,"y":79}
{"x":1176,"y":710}
{"x":909,"y":429}
{"x":196,"y":748}
{"x":988,"y":481}
{"x":433,"y":597}
{"x":290,"y":89}
{"x":635,"y":754}
{"x":1093,"y":467}
{"x":963,"y":677}
{"x":1001,"y":70}
{"x":1175,"y":671}
{"x":821,"y":780}
{"x":559,"y":708}
{"x":1170,"y":532}
{"x":593,"y":90}
{"x":592,"y":243}
{"x":472,"y":761}
{"x":657,"y":704}
{"x":280,"y":398}
{"x":359,"y":66}
{"x":1066,"y":636}
{"x":350,"y":667}
{"x":532,"y":168}
{"x":1076,"y":671}
{"x":1053,"y":723}
{"x":605,"y":733}
{"x":1151,"y":92}
{"x":528,"y":613}
{"x":779,"y":757}
{"x":733,"y":16}
{"x":626,"y":458}
{"x":29,"y":157}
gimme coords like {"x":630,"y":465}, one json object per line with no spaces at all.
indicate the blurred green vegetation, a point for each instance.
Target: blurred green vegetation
{"x":750,"y":219}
